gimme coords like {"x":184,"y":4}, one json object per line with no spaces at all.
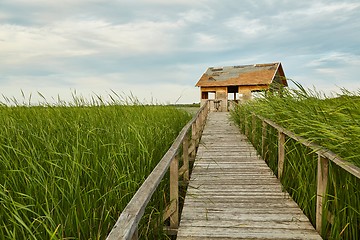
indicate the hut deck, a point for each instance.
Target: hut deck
{"x":233,"y":194}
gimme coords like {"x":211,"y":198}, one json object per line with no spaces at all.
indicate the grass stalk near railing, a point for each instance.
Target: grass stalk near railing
{"x":332,"y":123}
{"x":66,"y":172}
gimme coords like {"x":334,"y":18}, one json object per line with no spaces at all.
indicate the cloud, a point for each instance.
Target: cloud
{"x":338,"y":59}
{"x":197,"y":16}
{"x":249,"y":27}
{"x":326,"y":8}
{"x":141,"y":45}
{"x":174,"y":2}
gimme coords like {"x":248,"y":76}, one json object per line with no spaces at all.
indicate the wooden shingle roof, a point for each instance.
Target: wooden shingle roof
{"x":244,"y":75}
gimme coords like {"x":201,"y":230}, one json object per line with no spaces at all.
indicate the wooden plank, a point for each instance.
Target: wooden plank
{"x":255,"y":217}
{"x":244,"y":211}
{"x":246,"y":233}
{"x":200,"y":203}
{"x":232,"y":194}
{"x":248,"y":224}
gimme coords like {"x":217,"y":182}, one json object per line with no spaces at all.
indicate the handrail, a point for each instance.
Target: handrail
{"x":347,"y":166}
{"x":324,"y":156}
{"x":127,"y":224}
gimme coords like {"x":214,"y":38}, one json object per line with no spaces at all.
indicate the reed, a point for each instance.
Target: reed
{"x":67,"y":170}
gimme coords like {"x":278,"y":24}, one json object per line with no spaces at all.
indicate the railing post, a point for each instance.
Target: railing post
{"x":186,"y":158}
{"x":197,"y":132}
{"x":322,"y":179}
{"x":281,"y":153}
{"x":246,"y":126}
{"x":200,"y":119}
{"x":193,"y":139}
{"x":174,"y":192}
{"x":205,"y":117}
{"x":253,"y":130}
{"x":136,"y":235}
{"x":263,"y":139}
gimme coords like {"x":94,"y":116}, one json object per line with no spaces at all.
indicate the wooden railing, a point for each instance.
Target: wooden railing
{"x":126,"y":226}
{"x":324,"y":156}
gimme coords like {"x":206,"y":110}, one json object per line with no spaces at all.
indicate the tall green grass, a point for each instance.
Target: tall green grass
{"x":330,"y":122}
{"x":66,"y":172}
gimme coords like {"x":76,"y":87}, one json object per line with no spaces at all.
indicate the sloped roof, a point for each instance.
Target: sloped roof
{"x":244,"y":75}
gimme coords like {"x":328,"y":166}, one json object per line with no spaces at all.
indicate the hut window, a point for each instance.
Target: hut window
{"x":211,"y":95}
{"x":204,"y":95}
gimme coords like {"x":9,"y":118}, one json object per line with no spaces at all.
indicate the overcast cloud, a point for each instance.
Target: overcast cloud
{"x":158,"y":49}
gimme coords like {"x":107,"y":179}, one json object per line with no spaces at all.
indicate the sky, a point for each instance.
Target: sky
{"x":156,"y":50}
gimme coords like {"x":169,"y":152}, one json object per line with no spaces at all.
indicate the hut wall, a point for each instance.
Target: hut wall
{"x":220,"y":98}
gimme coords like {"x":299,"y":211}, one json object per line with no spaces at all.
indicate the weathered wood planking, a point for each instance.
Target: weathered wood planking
{"x":234,"y":195}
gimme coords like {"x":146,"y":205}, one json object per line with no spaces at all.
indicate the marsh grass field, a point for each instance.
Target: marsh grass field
{"x":331,"y":122}
{"x":68,"y":170}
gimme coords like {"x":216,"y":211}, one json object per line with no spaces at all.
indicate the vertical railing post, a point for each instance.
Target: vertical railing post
{"x":253,"y":130}
{"x":263,"y":139}
{"x":193,"y":140}
{"x":174,"y":192}
{"x":186,"y":157}
{"x":204,"y":116}
{"x":208,"y":108}
{"x":136,"y":235}
{"x":246,"y":126}
{"x":281,"y":153}
{"x":197,"y":130}
{"x":322,"y":179}
{"x":200,"y":126}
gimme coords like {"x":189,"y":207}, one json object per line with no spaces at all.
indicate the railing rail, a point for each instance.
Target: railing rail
{"x":126,"y":226}
{"x":324,"y":156}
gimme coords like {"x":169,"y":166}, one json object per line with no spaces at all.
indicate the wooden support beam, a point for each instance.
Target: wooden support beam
{"x":136,"y":235}
{"x":192,"y":149}
{"x":263,"y":139}
{"x":170,"y":232}
{"x":198,"y":130}
{"x":322,"y":179}
{"x":174,"y":192}
{"x":193,"y":139}
{"x":281,"y":153}
{"x":169,"y":210}
{"x":182,"y":171}
{"x":253,"y":128}
{"x":186,"y":158}
{"x":246,"y":126}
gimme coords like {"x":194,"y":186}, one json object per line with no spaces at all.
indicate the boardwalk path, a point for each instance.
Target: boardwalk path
{"x":234,"y":195}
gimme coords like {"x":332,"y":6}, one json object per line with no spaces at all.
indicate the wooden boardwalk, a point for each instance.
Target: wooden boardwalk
{"x":234,"y":195}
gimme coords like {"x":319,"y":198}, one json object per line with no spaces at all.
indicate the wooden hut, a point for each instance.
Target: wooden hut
{"x":225,"y":85}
